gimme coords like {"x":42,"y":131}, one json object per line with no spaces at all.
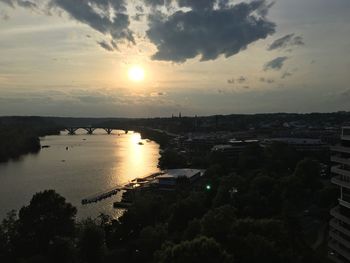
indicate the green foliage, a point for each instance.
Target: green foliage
{"x":150,"y":239}
{"x":217,"y":221}
{"x":308,"y":171}
{"x":252,"y":157}
{"x":62,"y":249}
{"x":91,"y":242}
{"x":280,"y":157}
{"x":185,"y":210}
{"x":199,"y":250}
{"x":171,"y":159}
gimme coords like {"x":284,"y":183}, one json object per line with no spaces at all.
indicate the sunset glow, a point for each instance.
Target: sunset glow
{"x":136,"y":73}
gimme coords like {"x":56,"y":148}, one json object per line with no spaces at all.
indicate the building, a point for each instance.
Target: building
{"x":299,"y":144}
{"x":233,"y":148}
{"x":339,"y":233}
{"x":171,"y":177}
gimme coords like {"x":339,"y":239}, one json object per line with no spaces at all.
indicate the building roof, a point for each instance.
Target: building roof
{"x":296,"y":141}
{"x":175,"y":173}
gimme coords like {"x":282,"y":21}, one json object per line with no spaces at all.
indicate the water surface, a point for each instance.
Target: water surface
{"x":90,"y":164}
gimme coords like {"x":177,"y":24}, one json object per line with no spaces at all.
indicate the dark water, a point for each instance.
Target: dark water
{"x":91,"y":164}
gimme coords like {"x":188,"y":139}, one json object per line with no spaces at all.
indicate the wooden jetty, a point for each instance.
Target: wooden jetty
{"x":137,"y":182}
{"x":102,"y":195}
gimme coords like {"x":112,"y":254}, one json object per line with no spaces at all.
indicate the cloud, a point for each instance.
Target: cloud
{"x":207,"y":31}
{"x":231,"y":81}
{"x":4,"y":16}
{"x":108,"y":17}
{"x":286,"y":74}
{"x":158,"y":94}
{"x":197,"y":5}
{"x":241,"y":80}
{"x":112,"y":46}
{"x":138,"y":16}
{"x":155,"y":3}
{"x":21,"y":3}
{"x":267,"y":80}
{"x":287,"y":41}
{"x":275,"y":64}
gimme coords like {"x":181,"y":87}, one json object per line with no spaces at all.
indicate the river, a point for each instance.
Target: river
{"x":77,"y":166}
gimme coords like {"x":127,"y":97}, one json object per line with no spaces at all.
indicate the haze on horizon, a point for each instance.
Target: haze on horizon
{"x":75,"y":58}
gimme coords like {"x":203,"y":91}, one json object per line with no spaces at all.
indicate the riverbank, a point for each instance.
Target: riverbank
{"x":161,"y":137}
{"x":20,"y":136}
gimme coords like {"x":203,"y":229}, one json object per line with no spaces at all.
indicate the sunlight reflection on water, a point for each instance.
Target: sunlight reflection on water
{"x":91,"y":164}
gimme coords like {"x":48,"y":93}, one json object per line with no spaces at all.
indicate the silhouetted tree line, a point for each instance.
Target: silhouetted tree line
{"x":20,"y":135}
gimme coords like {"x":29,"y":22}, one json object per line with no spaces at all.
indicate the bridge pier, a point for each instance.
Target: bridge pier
{"x":71,"y":131}
{"x":108,"y":130}
{"x":90,"y":130}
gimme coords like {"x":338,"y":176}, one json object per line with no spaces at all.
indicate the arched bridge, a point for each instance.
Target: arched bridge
{"x":91,"y":129}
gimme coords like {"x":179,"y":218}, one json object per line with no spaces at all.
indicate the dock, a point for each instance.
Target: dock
{"x":137,"y":182}
{"x":102,"y":195}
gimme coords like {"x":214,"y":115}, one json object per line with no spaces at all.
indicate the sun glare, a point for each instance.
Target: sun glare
{"x":136,"y":73}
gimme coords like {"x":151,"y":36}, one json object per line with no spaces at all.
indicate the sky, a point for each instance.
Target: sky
{"x":199,"y":57}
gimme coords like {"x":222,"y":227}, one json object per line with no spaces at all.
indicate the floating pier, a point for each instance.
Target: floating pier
{"x":102,"y":195}
{"x":136,"y":183}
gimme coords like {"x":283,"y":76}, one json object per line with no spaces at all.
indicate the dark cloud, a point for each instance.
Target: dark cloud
{"x":267,"y":80}
{"x":139,"y":8}
{"x":138,"y":16}
{"x":287,"y":41}
{"x":241,"y":79}
{"x":286,"y":74}
{"x":208,"y":32}
{"x":21,"y":3}
{"x":231,"y":81}
{"x":105,"y":45}
{"x":158,"y":94}
{"x":105,"y":16}
{"x":108,"y":17}
{"x":275,"y":64}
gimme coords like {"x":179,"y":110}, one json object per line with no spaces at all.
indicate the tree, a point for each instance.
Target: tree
{"x":46,"y":217}
{"x":251,"y":158}
{"x":8,"y":237}
{"x":171,"y":159}
{"x":217,"y":221}
{"x":91,"y":242}
{"x":308,"y":171}
{"x":185,"y":210}
{"x":62,"y":250}
{"x":199,"y":250}
{"x":150,"y":240}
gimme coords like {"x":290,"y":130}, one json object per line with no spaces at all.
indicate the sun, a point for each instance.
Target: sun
{"x":136,"y":73}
